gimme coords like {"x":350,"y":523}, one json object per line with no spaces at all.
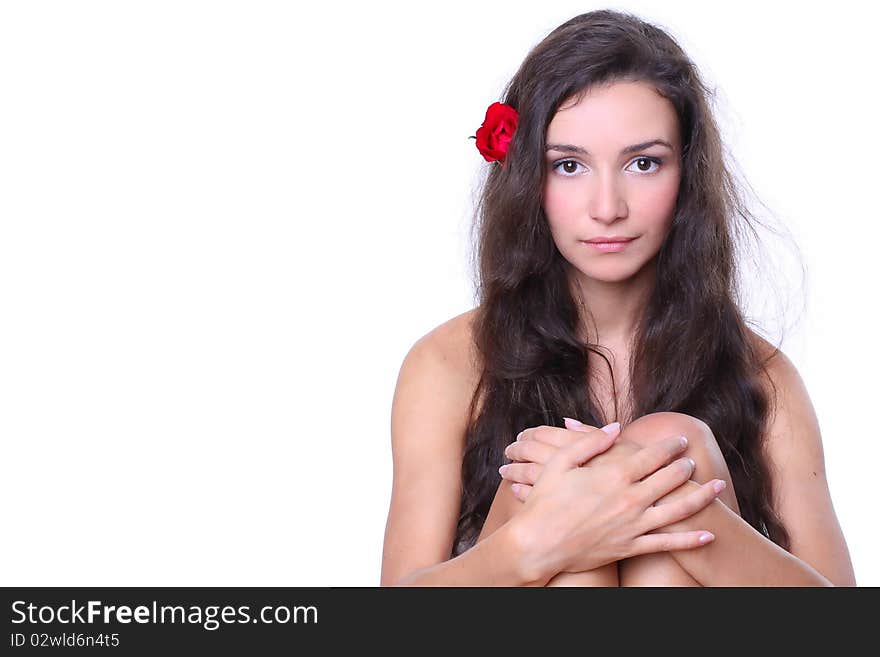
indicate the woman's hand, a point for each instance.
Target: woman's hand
{"x":580,"y":518}
{"x":529,"y":458}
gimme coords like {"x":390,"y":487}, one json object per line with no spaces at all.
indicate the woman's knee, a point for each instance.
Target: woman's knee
{"x":702,"y":446}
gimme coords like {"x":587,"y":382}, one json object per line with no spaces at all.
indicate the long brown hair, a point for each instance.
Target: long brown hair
{"x":526,"y":329}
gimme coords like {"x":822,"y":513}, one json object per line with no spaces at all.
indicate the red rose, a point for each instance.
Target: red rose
{"x":496,"y":132}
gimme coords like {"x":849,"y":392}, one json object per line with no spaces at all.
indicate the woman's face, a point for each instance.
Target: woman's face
{"x":607,"y":189}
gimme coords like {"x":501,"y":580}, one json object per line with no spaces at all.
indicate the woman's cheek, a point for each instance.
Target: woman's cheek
{"x":657,"y":204}
{"x":556,"y":204}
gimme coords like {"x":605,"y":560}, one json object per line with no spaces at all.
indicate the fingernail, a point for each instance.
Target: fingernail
{"x":693,"y":464}
{"x":503,"y":469}
{"x":571,"y":423}
{"x":719,"y":485}
{"x":705,"y":537}
{"x":683,"y":441}
{"x":612,"y":428}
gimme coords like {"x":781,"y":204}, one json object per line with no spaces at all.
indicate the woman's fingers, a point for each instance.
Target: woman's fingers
{"x":537,"y":446}
{"x":649,"y":458}
{"x":668,"y":513}
{"x":670,"y":542}
{"x":555,"y":436}
{"x":582,"y":450}
{"x":523,"y":473}
{"x":665,"y":480}
{"x":521,"y":491}
{"x":577,"y":425}
{"x":530,"y":450}
{"x":550,"y":435}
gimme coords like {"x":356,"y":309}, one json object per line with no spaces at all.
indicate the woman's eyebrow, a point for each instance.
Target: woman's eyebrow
{"x":570,"y":148}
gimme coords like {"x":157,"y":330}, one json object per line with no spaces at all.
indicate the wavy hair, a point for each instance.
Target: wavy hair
{"x":526,"y":330}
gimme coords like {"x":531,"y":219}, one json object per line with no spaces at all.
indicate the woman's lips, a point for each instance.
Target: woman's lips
{"x":609,"y":247}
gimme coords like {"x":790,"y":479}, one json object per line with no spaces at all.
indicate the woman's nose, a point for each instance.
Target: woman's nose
{"x":607,"y":203}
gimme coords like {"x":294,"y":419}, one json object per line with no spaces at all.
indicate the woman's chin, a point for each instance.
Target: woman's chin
{"x":608,"y":274}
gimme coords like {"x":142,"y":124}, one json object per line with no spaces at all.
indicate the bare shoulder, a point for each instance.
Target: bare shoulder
{"x":429,"y":416}
{"x":780,"y":377}
{"x":793,"y":446}
{"x":441,"y":366}
{"x":793,"y":442}
{"x":453,"y":342}
{"x":765,"y":351}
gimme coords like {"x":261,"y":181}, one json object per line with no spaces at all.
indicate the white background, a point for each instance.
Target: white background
{"x":224,"y":224}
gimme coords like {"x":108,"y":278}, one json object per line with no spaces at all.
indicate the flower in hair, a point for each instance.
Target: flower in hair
{"x":496,"y":132}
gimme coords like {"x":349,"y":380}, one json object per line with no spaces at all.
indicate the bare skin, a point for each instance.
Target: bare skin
{"x":610,"y":192}
{"x":644,"y":570}
{"x":594,"y":188}
{"x":427,"y":494}
{"x":740,"y":555}
{"x":614,"y":168}
{"x":429,"y":416}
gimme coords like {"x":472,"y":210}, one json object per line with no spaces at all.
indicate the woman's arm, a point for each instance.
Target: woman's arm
{"x":491,"y":562}
{"x":427,"y":428}
{"x":740,"y":555}
{"x":428,"y":423}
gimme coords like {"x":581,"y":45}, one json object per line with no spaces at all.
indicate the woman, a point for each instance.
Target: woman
{"x":605,"y":135}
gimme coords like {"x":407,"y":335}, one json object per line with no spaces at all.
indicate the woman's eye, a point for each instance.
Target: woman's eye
{"x":646,"y":162}
{"x":569,"y":168}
